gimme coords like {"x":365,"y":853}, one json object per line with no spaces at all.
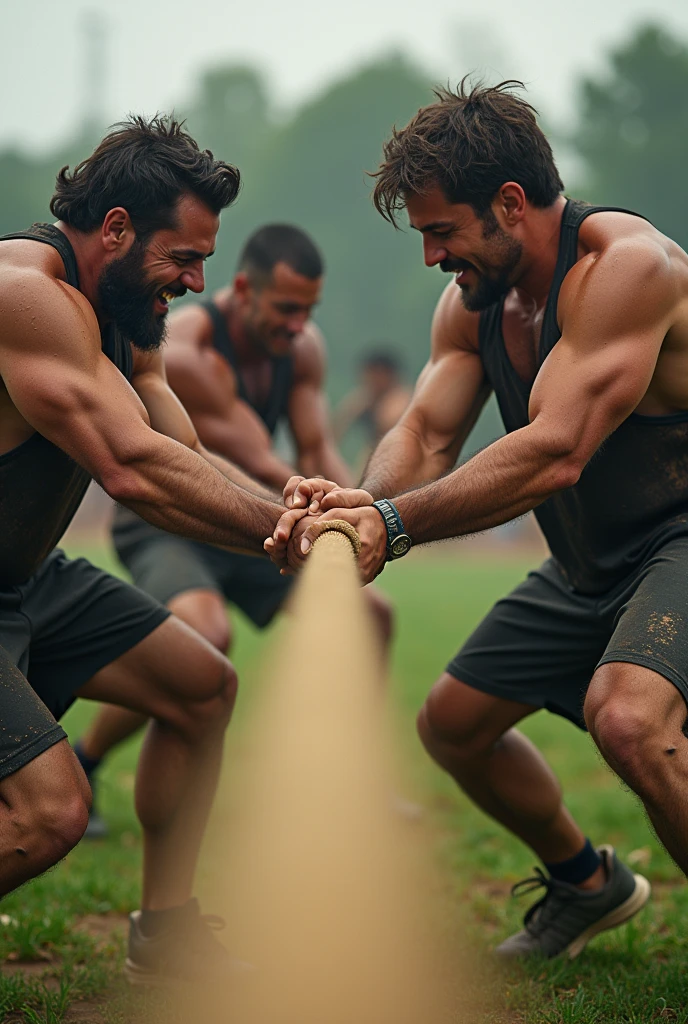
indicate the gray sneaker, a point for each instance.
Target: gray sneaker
{"x":566,"y":918}
{"x":186,"y":952}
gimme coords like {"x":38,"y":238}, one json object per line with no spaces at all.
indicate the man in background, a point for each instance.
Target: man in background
{"x":379,"y":400}
{"x":241,"y":363}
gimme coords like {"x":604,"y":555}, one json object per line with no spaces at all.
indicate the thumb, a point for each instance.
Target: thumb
{"x":310,"y":535}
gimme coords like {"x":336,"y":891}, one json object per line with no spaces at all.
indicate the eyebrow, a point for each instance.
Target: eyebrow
{"x":192,"y":254}
{"x":433,"y":226}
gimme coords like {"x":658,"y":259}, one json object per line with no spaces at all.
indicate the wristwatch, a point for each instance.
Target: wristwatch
{"x":398,"y":542}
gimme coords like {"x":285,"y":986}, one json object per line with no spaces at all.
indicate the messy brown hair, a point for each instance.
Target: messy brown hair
{"x":469,"y":143}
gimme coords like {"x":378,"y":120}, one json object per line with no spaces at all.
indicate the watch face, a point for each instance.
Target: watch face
{"x":400,"y":545}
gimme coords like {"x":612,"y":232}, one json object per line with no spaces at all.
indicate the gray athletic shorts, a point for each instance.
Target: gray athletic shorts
{"x":542,"y":643}
{"x":56,"y":631}
{"x":165,"y":565}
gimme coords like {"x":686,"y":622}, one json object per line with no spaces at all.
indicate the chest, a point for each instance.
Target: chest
{"x":522,"y":333}
{"x":255,"y":380}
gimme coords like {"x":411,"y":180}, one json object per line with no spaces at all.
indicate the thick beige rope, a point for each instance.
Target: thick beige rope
{"x":322,"y":896}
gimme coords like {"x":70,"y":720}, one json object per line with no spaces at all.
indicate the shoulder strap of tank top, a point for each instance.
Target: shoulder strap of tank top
{"x":51,"y":235}
{"x":278,"y":399}
{"x":115,"y":346}
{"x":575,"y":212}
{"x":222,"y":341}
{"x":490,"y":329}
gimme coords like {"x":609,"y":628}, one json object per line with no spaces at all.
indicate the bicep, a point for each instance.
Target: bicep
{"x":233,"y":433}
{"x":84,"y":406}
{"x":604,"y":362}
{"x":308,"y":416}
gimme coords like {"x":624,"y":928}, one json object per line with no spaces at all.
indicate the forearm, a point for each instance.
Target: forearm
{"x":402,"y":461}
{"x":232,"y":472}
{"x":177,"y":490}
{"x":500,"y":483}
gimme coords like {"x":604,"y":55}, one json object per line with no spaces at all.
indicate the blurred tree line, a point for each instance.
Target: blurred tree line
{"x":309,"y":169}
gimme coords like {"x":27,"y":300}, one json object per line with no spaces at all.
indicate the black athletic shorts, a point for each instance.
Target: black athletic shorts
{"x":165,"y":565}
{"x":542,"y":643}
{"x":57,"y":630}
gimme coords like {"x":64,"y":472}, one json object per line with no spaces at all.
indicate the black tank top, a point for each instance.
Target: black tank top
{"x":40,"y":486}
{"x":277,"y":402}
{"x":633,"y":494}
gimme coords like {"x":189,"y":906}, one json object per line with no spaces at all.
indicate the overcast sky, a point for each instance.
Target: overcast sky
{"x":155,"y":49}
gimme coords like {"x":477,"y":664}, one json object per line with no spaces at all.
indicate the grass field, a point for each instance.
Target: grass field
{"x":61,"y":937}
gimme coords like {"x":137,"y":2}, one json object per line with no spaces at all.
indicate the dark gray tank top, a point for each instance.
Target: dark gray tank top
{"x":276,"y":404}
{"x":41,"y":487}
{"x":632,"y":497}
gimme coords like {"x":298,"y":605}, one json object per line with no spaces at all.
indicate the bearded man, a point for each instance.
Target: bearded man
{"x":83,"y":395}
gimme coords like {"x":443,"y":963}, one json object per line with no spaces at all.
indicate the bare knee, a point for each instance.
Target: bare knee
{"x":452,"y":720}
{"x":59,"y":823}
{"x":47,"y":802}
{"x":630,"y":732}
{"x":208,"y":705}
{"x":205,"y":612}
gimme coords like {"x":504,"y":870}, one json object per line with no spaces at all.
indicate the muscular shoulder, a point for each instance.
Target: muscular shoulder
{"x":625,"y":267}
{"x":453,"y":327}
{"x":36,"y":303}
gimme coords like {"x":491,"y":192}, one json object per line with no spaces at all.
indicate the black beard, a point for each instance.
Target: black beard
{"x":504,"y":256}
{"x":125,"y":300}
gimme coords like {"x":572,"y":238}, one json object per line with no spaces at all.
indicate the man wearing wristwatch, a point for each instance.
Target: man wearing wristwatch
{"x":577,"y":318}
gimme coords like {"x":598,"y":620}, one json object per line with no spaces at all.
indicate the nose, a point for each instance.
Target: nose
{"x":432,"y":252}
{"x":193,"y":278}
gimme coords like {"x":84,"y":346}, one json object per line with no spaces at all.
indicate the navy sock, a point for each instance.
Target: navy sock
{"x":152,"y":922}
{"x":89,"y":764}
{"x":576,"y":869}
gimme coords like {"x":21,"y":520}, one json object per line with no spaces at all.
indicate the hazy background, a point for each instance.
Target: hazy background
{"x":301,"y":96}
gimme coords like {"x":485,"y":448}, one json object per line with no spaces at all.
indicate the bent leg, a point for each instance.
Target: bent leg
{"x":43,"y":814}
{"x":204,"y":611}
{"x":638,"y":720}
{"x":470,"y":734}
{"x":188,"y":689}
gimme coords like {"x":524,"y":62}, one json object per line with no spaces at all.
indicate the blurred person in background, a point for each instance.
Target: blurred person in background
{"x":377,"y":402}
{"x":83,"y":394}
{"x":242,"y":363}
{"x":576,"y":316}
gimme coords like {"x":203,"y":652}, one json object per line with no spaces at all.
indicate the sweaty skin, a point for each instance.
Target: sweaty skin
{"x":135,"y":440}
{"x":623,"y":311}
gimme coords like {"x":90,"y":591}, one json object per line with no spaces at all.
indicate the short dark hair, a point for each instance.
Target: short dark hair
{"x":381,"y":359}
{"x":145,"y":166}
{"x":469,"y":143}
{"x":280,"y":243}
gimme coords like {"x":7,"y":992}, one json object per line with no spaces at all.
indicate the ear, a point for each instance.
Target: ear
{"x":511,"y":202}
{"x":241,"y":285}
{"x":117,"y":232}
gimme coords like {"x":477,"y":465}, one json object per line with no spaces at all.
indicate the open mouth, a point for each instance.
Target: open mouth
{"x":163,"y":299}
